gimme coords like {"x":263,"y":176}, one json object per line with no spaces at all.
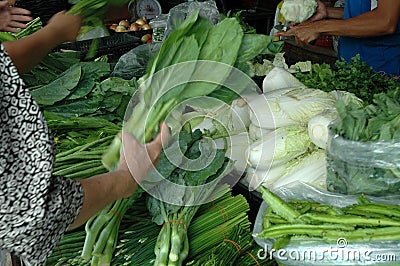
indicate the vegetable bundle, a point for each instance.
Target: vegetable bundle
{"x":138,"y":234}
{"x":174,"y":205}
{"x":302,"y":220}
{"x":184,"y":56}
{"x":284,"y":150}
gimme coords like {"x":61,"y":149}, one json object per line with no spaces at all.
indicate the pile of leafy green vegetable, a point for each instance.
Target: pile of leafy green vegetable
{"x":379,"y":120}
{"x":365,"y":156}
{"x":50,"y":68}
{"x":85,"y":88}
{"x":353,"y":76}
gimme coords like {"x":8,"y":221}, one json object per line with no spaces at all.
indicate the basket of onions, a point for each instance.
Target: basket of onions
{"x":124,"y":25}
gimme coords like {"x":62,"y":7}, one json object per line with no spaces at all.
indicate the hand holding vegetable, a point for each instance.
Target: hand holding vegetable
{"x":61,"y":28}
{"x":139,"y":159}
{"x":66,"y":25}
{"x":12,"y":18}
{"x":320,"y":13}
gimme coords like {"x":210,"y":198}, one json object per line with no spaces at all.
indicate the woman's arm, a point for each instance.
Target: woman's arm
{"x":136,"y":162}
{"x":29,"y":51}
{"x":380,"y":21}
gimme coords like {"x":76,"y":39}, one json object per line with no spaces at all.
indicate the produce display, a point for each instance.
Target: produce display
{"x":333,"y":129}
{"x":330,"y":230}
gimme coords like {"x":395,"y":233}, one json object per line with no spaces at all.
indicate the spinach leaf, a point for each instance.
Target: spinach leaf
{"x":58,"y":89}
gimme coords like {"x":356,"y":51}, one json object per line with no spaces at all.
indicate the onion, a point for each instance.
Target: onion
{"x":113,"y":26}
{"x":124,"y":23}
{"x":146,"y":27}
{"x":134,"y":27}
{"x":120,"y":28}
{"x":141,"y":21}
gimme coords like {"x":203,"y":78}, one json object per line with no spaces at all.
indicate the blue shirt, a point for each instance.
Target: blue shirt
{"x":381,"y":52}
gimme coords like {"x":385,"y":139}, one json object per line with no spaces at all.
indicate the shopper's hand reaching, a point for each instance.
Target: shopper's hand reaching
{"x":140,"y":159}
{"x":65,"y":26}
{"x":13,"y":18}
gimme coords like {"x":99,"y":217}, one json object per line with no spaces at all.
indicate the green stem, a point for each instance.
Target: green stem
{"x":92,"y":228}
{"x":349,"y":220}
{"x":83,"y":147}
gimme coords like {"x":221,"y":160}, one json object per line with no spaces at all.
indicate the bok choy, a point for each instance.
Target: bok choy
{"x":178,"y":72}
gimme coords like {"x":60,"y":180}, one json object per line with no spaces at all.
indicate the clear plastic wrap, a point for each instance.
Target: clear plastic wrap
{"x":134,"y":63}
{"x":372,"y":168}
{"x":317,"y":252}
{"x":159,"y":25}
{"x":177,"y":14}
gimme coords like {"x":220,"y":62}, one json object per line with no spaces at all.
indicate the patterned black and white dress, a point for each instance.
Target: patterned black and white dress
{"x":36,"y":208}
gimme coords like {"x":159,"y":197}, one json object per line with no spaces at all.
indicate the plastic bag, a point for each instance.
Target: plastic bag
{"x":134,"y":63}
{"x":177,"y":14}
{"x":159,"y":25}
{"x":372,"y":168}
{"x":317,"y":252}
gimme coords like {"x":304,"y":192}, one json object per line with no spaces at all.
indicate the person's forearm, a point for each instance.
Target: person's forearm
{"x":365,"y":25}
{"x":101,"y":191}
{"x":335,"y":12}
{"x":29,"y":51}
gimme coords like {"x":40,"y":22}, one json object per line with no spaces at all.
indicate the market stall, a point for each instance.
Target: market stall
{"x":278,"y":153}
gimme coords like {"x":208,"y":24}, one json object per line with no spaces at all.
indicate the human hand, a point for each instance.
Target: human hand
{"x":65,"y":25}
{"x":139,"y":159}
{"x":304,"y":33}
{"x":13,"y":18}
{"x":320,"y":13}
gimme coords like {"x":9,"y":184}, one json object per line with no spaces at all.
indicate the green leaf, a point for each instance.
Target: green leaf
{"x":76,"y":108}
{"x":84,"y":87}
{"x":58,"y":89}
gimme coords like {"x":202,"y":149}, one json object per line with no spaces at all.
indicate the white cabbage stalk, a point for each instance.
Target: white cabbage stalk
{"x":279,"y":78}
{"x":236,"y":150}
{"x":257,"y":133}
{"x":241,"y":111}
{"x":265,"y":111}
{"x":288,"y":107}
{"x":278,"y":147}
{"x":310,"y":169}
{"x":318,"y":127}
{"x":302,"y":104}
{"x":298,"y":10}
{"x":258,"y":177}
{"x":231,"y":119}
